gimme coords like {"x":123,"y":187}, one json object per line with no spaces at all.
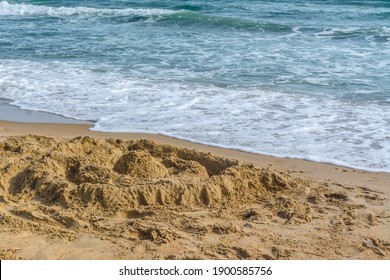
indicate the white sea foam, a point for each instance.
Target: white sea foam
{"x":8,"y":9}
{"x":316,"y":127}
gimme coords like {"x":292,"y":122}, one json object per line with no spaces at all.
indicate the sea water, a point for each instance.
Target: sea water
{"x":305,"y":79}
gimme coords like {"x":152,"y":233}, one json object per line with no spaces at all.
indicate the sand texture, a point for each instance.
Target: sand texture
{"x":91,"y":198}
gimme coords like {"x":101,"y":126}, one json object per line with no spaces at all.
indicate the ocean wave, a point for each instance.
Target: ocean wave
{"x":8,"y":9}
{"x":350,"y":31}
{"x":193,"y":18}
{"x":188,"y":7}
{"x":187,"y":15}
{"x":378,"y":34}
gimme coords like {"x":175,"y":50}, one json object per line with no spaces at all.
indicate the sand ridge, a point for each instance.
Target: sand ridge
{"x":90,"y":198}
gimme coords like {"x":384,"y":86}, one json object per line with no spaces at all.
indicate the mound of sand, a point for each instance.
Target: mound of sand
{"x":92,"y":198}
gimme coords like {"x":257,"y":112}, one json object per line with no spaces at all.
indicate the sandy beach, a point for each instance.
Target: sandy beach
{"x":70,"y":193}
{"x":294,"y":96}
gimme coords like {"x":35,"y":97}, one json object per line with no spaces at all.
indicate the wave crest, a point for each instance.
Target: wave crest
{"x":187,"y":15}
{"x":7,"y":9}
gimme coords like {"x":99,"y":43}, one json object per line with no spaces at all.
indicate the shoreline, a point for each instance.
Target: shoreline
{"x":9,"y":112}
{"x":12,"y":113}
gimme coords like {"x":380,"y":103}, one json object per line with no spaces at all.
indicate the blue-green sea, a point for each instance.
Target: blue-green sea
{"x":302,"y":78}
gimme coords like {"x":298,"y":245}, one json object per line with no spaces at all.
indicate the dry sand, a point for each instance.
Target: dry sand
{"x":69,"y":193}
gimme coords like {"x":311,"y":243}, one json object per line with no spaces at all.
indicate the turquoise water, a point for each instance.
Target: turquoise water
{"x":304,"y":79}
